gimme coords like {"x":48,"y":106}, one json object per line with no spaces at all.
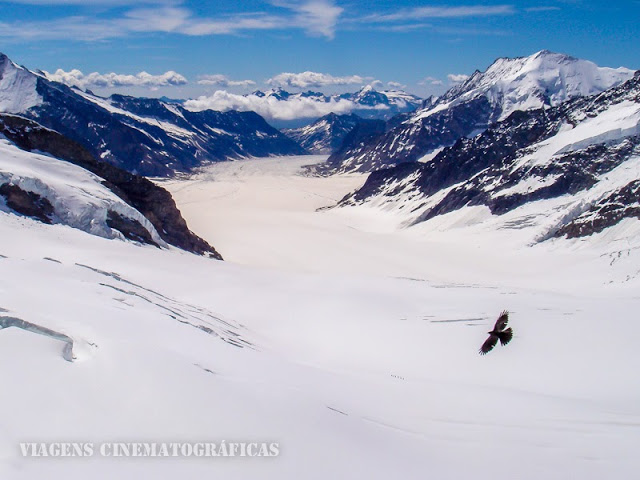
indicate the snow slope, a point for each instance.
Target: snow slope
{"x":355,"y":369}
{"x":17,"y":87}
{"x":78,"y":197}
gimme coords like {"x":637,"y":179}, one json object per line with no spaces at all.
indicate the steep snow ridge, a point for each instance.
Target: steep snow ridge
{"x":527,"y":185}
{"x":400,"y":97}
{"x":17,"y":88}
{"x":78,"y":196}
{"x":616,"y":122}
{"x":620,"y":121}
{"x":172,"y":130}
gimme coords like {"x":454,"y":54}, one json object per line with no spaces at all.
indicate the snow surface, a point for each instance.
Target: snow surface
{"x":361,"y":342}
{"x":17,"y":88}
{"x":78,"y":197}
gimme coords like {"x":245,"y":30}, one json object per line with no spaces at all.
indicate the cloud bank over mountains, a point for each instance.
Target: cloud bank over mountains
{"x":75,"y":78}
{"x":313,"y":80}
{"x":270,"y":107}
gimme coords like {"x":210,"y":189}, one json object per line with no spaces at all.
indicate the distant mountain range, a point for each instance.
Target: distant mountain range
{"x":284,"y":109}
{"x":542,"y":80}
{"x":367,"y":102}
{"x":142,"y":135}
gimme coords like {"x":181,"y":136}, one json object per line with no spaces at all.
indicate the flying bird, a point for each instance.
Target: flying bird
{"x":498,"y":333}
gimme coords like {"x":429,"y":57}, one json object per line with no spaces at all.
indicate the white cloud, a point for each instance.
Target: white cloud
{"x":430,"y":81}
{"x":231,"y":26}
{"x":223,"y":81}
{"x":270,"y":107}
{"x":396,"y":85}
{"x":421,"y":13}
{"x":457,"y":77}
{"x":75,"y":78}
{"x":312,"y":80}
{"x":154,"y":19}
{"x":542,"y":9}
{"x":405,"y":27}
{"x":317,"y":17}
{"x":88,"y":2}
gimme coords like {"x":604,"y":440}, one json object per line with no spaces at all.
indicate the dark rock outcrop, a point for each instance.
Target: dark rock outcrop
{"x":609,"y":211}
{"x":130,"y":228}
{"x":26,"y":203}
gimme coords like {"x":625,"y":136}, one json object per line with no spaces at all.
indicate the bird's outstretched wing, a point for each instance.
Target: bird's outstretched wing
{"x":505,"y":336}
{"x":488,"y":345}
{"x":502,"y":321}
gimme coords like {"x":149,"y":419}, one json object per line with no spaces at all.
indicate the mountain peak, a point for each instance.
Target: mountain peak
{"x":17,"y":87}
{"x":540,"y":80}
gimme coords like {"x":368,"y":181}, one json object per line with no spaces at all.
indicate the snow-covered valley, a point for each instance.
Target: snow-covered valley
{"x":350,"y":341}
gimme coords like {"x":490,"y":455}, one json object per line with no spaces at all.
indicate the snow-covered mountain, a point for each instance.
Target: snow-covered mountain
{"x":143,"y":135}
{"x":542,"y":80}
{"x":45,"y":176}
{"x":382,"y":104}
{"x":570,"y":170}
{"x":325,"y":135}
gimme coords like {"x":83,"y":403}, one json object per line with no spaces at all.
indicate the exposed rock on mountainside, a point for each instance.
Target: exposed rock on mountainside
{"x":26,"y":203}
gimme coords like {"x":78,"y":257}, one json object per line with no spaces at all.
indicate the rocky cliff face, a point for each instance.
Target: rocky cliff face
{"x":152,"y":201}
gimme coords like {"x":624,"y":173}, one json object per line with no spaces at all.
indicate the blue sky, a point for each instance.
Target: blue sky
{"x":244,"y":45}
